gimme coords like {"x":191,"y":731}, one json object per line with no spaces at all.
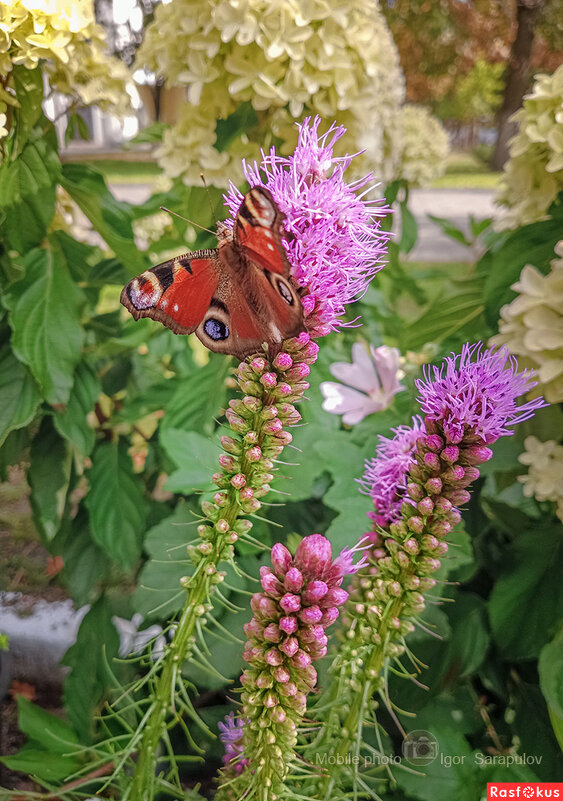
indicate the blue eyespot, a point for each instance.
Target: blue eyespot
{"x":215,"y":329}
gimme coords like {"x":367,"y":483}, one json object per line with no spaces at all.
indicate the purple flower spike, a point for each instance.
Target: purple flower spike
{"x":335,"y":244}
{"x":385,"y":475}
{"x":230,"y":733}
{"x":477,"y":390}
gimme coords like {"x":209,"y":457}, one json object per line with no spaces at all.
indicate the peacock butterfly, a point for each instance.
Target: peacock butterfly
{"x":237,"y":297}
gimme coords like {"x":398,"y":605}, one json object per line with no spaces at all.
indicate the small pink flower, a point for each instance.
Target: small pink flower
{"x":372,"y":381}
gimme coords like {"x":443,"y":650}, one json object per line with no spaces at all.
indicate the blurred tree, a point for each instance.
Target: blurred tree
{"x":440,"y":43}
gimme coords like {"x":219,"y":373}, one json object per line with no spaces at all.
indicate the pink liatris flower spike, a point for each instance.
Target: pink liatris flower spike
{"x":334,"y":241}
{"x":299,"y":600}
{"x":372,"y":381}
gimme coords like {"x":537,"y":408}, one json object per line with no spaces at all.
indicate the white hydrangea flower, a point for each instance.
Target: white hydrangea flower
{"x":369,"y":385}
{"x":532,"y":326}
{"x":533,"y":175}
{"x":287,"y":58}
{"x":544,"y":479}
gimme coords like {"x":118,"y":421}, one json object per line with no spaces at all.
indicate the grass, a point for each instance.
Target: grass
{"x":463,"y":171}
{"x":467,"y":171}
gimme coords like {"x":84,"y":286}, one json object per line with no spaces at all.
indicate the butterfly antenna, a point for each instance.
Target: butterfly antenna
{"x":190,"y":222}
{"x":204,"y":182}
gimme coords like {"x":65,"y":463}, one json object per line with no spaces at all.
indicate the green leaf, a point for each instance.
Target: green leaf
{"x":443,"y":782}
{"x":45,"y":318}
{"x":527,"y":600}
{"x":19,"y":396}
{"x":550,"y":668}
{"x":409,"y":229}
{"x":198,"y":397}
{"x":72,"y":421}
{"x":196,"y":457}
{"x":469,"y":639}
{"x":225,"y":654}
{"x":85,"y":564}
{"x":158,"y":590}
{"x":50,"y":731}
{"x":43,"y":764}
{"x":97,"y":643}
{"x":110,"y":218}
{"x":532,"y":244}
{"x":450,"y":229}
{"x":29,"y":92}
{"x":116,"y":503}
{"x":49,"y":476}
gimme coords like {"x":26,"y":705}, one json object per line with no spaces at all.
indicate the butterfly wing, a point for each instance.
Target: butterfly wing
{"x":255,"y":302}
{"x":177,"y":292}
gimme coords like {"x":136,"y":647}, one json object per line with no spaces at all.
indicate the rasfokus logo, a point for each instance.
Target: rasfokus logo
{"x":524,"y":790}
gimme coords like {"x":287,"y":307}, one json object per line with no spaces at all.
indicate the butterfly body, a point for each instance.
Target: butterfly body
{"x":235,"y":298}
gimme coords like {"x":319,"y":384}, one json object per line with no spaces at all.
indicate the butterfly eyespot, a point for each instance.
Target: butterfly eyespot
{"x":285,"y":292}
{"x":216,"y":329}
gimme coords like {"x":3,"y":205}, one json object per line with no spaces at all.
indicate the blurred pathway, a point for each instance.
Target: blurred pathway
{"x":432,"y":245}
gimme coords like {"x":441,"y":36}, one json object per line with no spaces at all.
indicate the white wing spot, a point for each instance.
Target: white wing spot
{"x":175,"y":307}
{"x":270,"y":246}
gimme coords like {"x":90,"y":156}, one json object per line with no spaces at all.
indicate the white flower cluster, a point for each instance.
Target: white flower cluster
{"x":424,"y":146}
{"x":544,"y":478}
{"x":64,"y":35}
{"x":532,"y":326}
{"x":287,"y":58}
{"x":533,"y":176}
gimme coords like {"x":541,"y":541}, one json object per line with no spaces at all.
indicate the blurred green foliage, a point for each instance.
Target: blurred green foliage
{"x":119,"y":424}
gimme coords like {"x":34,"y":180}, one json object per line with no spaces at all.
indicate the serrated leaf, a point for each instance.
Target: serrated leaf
{"x":195,"y":456}
{"x":19,"y":396}
{"x":109,"y":217}
{"x":97,"y":643}
{"x":86,"y":565}
{"x":116,"y":503}
{"x":50,"y":731}
{"x":45,"y":319}
{"x":72,"y":421}
{"x":29,"y":92}
{"x":49,"y":476}
{"x":527,"y":599}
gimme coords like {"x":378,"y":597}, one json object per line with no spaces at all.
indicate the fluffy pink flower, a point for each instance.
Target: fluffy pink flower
{"x":335,"y":244}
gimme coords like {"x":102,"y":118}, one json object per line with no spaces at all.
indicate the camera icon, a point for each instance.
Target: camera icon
{"x":420,"y":747}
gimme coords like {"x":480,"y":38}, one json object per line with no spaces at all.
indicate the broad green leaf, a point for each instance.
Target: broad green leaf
{"x":50,"y":731}
{"x":196,"y":457}
{"x":469,"y":639}
{"x":532,"y":244}
{"x":116,"y":503}
{"x":550,"y":668}
{"x":45,"y":319}
{"x":49,"y":476}
{"x":96,"y":645}
{"x":527,"y":599}
{"x":159,"y":592}
{"x":86,"y":565}
{"x":72,"y":421}
{"x":35,"y":170}
{"x":29,"y":92}
{"x":198,"y":397}
{"x":110,"y":218}
{"x":440,"y":781}
{"x":534,"y":730}
{"x":43,"y":764}
{"x":225,"y":654}
{"x":19,"y":396}
{"x":348,"y":527}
